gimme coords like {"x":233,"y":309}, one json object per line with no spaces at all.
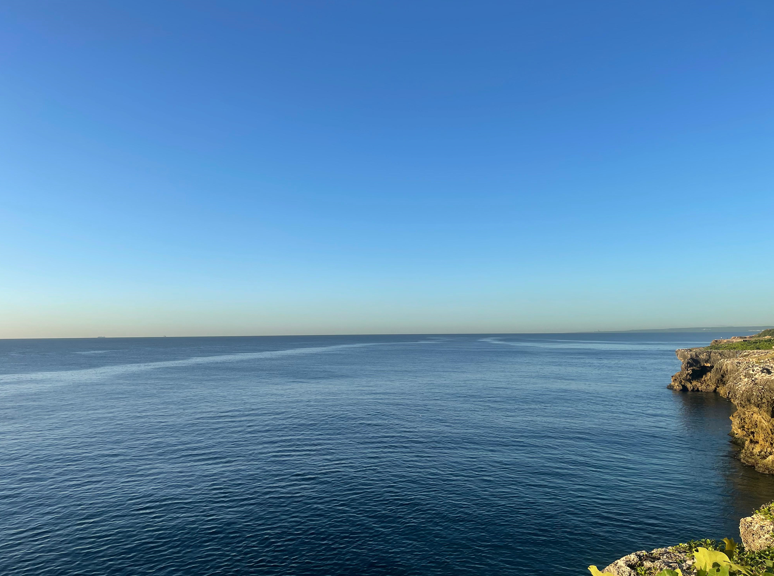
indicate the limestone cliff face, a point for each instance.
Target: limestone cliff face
{"x":746,"y":377}
{"x":703,"y":370}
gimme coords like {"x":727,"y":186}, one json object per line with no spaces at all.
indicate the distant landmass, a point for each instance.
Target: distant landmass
{"x":739,"y":329}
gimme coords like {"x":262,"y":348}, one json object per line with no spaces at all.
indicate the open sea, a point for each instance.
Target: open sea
{"x":393,"y":455}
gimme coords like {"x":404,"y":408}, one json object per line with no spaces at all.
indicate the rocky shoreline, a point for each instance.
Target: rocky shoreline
{"x":746,"y":378}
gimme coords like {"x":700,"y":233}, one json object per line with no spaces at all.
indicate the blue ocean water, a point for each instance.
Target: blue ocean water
{"x":522,"y":454}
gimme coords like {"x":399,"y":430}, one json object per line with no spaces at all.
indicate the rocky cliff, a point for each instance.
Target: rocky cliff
{"x":746,"y":378}
{"x":735,"y":369}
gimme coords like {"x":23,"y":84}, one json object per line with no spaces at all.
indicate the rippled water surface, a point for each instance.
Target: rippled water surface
{"x":358,"y":455}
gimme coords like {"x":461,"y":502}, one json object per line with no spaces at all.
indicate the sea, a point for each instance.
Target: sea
{"x":356,"y":455}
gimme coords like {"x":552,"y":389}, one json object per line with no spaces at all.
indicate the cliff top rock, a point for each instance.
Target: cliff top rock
{"x":757,"y":531}
{"x":652,"y":562}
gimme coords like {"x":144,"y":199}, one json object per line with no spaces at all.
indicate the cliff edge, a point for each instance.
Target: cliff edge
{"x":757,"y":532}
{"x":742,"y":370}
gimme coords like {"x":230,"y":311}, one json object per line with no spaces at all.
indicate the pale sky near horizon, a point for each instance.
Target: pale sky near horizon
{"x":243,"y":168}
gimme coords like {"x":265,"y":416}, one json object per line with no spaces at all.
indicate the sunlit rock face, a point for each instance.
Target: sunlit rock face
{"x":746,"y":377}
{"x":703,"y":370}
{"x":757,"y":532}
{"x":653,"y":562}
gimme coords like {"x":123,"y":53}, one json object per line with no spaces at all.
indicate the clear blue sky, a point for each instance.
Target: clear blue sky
{"x":188,"y":167}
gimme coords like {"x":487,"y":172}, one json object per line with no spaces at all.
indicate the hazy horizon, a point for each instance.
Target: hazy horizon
{"x":231,"y":168}
{"x":693,"y":329}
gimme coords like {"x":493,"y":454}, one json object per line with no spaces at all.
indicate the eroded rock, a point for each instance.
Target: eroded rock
{"x":653,"y":562}
{"x":757,"y":532}
{"x":746,"y":377}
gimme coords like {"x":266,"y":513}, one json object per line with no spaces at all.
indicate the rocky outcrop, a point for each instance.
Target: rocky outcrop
{"x":652,"y":562}
{"x":746,"y":378}
{"x":703,"y":370}
{"x":757,"y":532}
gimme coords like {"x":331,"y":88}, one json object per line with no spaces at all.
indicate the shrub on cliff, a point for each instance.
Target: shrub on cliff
{"x":757,"y":344}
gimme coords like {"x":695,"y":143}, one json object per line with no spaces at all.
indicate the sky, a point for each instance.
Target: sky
{"x":426,"y":166}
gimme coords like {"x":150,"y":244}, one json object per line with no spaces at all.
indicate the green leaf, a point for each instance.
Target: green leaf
{"x":705,"y":559}
{"x":719,"y":571}
{"x":730,"y":547}
{"x":737,"y":569}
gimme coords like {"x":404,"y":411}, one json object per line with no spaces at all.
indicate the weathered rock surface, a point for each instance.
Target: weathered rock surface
{"x":703,"y":370}
{"x":757,"y":532}
{"x":653,"y":562}
{"x":746,"y":377}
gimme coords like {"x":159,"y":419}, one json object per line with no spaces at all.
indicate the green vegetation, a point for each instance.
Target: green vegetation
{"x":757,"y":344}
{"x":761,"y":562}
{"x":763,"y":340}
{"x":692,"y":545}
{"x":767,"y":511}
{"x":733,"y":560}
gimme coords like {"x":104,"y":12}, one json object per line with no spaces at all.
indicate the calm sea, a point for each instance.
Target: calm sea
{"x":522,"y":454}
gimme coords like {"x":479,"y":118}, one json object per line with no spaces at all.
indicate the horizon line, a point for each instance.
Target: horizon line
{"x":636,"y":330}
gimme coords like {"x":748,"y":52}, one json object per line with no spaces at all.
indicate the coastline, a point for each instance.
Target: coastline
{"x":740,"y":369}
{"x":744,"y":375}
